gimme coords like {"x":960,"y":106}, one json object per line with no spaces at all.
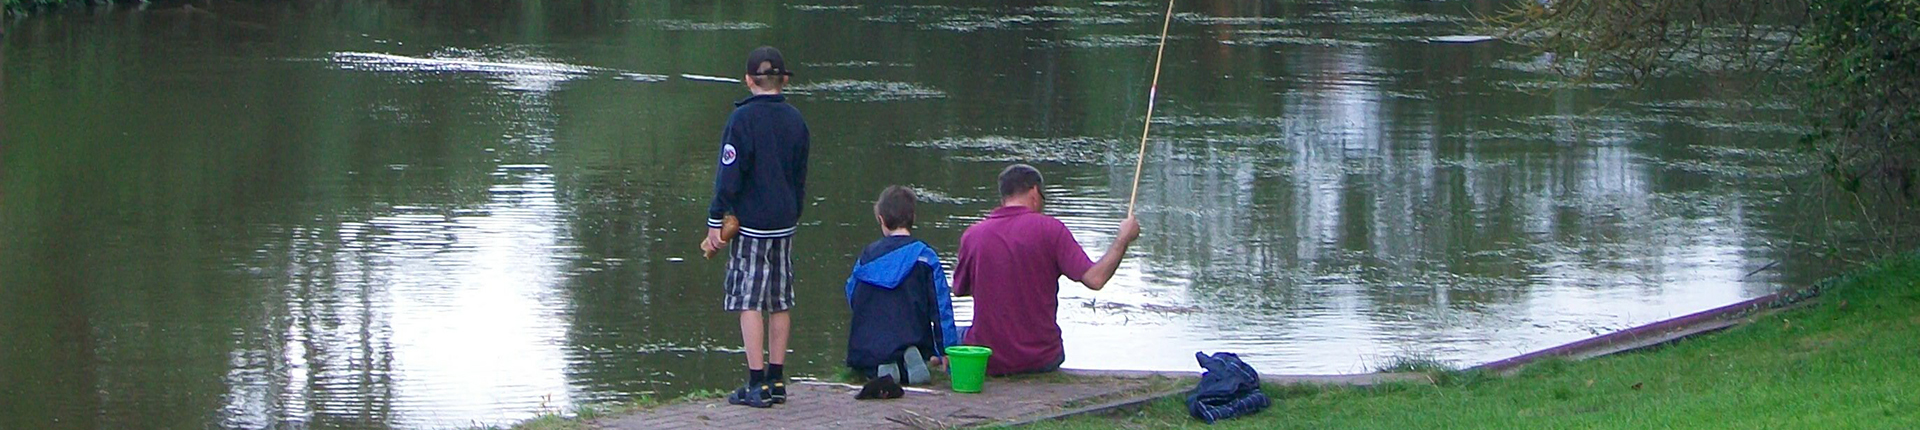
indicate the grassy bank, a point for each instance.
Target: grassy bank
{"x":1849,"y":360}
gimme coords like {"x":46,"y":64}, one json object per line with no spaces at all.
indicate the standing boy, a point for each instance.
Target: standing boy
{"x":762,"y":183}
{"x":902,"y":309}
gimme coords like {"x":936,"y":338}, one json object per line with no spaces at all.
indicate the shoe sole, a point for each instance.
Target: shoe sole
{"x":749,"y":404}
{"x":916,"y":370}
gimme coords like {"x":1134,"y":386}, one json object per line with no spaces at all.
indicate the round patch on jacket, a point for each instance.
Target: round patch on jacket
{"x":727,"y":154}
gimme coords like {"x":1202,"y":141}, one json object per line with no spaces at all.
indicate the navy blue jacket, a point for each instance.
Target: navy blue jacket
{"x":762,"y":178}
{"x":1229,"y":389}
{"x":899,"y":296}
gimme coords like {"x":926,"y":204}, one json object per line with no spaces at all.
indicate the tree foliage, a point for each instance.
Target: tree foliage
{"x":1638,"y":39}
{"x":1866,"y":54}
{"x":1863,"y":58}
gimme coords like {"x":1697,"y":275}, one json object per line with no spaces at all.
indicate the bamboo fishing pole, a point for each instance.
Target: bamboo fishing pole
{"x":1153,"y":91}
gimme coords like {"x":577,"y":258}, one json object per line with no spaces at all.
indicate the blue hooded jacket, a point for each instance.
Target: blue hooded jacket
{"x":899,"y":296}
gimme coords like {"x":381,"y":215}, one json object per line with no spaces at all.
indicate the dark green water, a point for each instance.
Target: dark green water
{"x":435,"y":214}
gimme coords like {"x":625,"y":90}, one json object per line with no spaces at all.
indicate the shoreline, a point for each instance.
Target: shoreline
{"x":1638,"y":338}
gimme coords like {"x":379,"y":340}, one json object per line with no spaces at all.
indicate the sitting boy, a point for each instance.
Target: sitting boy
{"x":902,"y":309}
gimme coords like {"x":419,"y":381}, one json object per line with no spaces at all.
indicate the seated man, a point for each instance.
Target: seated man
{"x":1011,"y":263}
{"x":902,"y":310}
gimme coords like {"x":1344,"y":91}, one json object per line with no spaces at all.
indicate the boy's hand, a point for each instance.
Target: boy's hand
{"x":937,"y":362}
{"x":712,"y":243}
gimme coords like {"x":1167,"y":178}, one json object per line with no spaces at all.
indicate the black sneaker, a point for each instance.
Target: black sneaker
{"x":750,"y":397}
{"x":777,"y":393}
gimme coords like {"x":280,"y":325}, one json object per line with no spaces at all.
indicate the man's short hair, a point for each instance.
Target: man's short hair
{"x":1018,"y":179}
{"x":895,"y":207}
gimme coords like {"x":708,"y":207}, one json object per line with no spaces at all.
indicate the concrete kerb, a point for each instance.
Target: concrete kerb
{"x":1656,"y":333}
{"x":1358,"y":380}
{"x":1126,"y":403}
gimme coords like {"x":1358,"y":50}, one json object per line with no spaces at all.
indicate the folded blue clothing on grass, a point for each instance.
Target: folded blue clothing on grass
{"x":1230,"y":388}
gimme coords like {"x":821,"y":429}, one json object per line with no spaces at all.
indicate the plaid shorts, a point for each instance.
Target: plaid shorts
{"x":760,"y":274}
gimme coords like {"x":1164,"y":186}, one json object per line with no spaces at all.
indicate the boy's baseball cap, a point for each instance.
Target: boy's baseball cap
{"x":766,"y":61}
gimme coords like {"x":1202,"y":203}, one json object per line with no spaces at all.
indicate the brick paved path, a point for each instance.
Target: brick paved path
{"x":815,"y":405}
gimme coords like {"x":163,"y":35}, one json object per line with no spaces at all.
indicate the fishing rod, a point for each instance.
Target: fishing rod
{"x":1152,"y":92}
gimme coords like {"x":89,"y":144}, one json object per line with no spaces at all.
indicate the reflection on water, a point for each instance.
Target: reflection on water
{"x":533,"y":76}
{"x":438,"y":309}
{"x":436,"y":215}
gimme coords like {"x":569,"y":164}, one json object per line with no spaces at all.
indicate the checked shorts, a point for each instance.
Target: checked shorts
{"x":760,"y":274}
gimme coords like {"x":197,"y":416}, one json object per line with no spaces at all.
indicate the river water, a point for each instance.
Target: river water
{"x":439,"y":214}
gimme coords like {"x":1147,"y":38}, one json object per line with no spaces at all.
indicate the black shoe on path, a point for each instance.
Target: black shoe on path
{"x":881,"y":388}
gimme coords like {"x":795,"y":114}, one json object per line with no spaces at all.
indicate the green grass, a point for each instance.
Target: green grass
{"x":1849,"y":360}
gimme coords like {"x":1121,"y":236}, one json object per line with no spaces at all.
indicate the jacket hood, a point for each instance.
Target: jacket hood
{"x":890,"y":269}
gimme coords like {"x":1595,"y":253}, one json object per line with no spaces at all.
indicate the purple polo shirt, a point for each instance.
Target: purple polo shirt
{"x":1011,"y":263}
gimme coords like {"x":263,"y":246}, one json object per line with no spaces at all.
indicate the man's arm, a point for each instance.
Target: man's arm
{"x":1102,"y":271}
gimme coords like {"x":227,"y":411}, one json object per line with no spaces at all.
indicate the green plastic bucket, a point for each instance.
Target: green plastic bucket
{"x":967,"y":367}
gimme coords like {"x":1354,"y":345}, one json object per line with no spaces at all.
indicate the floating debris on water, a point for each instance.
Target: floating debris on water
{"x":822,"y":8}
{"x":686,"y":25}
{"x":378,"y":62}
{"x":971,"y":23}
{"x":642,"y":77}
{"x":858,"y":64}
{"x":1501,"y":135}
{"x":1170,"y":309}
{"x":868,"y":91}
{"x":705,"y":78}
{"x":676,"y":260}
{"x":929,"y":195}
{"x":1546,"y":85}
{"x":1460,"y":39}
{"x":670,"y":348}
{"x":1109,"y":41}
{"x":1294,"y":40}
{"x":1202,"y":19}
{"x":1363,"y":16}
{"x":1066,"y":150}
{"x":1708,"y":104}
{"x":968,"y":20}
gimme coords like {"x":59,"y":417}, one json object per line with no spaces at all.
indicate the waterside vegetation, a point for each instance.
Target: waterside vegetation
{"x":1847,"y":360}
